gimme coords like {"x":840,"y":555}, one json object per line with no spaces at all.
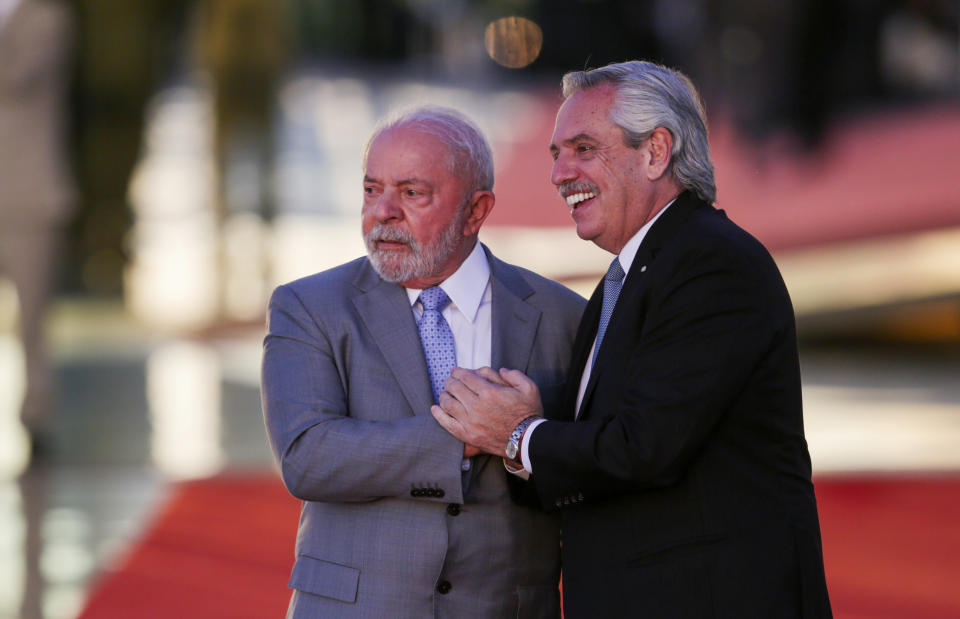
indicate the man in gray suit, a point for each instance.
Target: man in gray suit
{"x":400,"y":519}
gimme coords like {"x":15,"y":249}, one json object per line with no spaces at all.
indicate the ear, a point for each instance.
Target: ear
{"x":480,"y":205}
{"x":659,"y":146}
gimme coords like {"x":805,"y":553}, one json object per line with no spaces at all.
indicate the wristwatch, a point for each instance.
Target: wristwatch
{"x":513,"y":443}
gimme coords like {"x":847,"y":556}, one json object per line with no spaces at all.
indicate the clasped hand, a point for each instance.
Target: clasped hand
{"x":482,"y":407}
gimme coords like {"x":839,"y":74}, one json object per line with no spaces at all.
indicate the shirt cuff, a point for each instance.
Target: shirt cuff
{"x":525,"y":445}
{"x":513,"y":469}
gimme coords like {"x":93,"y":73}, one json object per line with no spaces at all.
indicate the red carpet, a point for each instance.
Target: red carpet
{"x":223,"y":547}
{"x":892,"y":546}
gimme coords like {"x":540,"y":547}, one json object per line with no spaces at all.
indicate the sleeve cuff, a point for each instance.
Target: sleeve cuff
{"x":525,"y":446}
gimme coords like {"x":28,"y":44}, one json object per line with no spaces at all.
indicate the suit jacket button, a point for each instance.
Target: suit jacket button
{"x":443,"y":587}
{"x":415,"y":492}
{"x":440,"y":493}
{"x":453,"y":509}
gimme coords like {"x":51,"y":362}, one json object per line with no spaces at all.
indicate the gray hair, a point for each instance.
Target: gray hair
{"x":648,"y":96}
{"x":470,"y":156}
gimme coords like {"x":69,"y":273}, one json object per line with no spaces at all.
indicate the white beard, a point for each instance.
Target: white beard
{"x":419,"y":262}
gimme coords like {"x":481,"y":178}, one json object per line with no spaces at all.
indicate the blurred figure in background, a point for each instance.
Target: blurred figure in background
{"x":36,"y":187}
{"x":123,"y":51}
{"x":242,"y":45}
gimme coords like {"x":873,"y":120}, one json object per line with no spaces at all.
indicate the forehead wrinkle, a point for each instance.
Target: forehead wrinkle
{"x":414,"y":180}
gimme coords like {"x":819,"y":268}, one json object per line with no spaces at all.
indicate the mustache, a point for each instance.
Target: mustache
{"x":577,"y":187}
{"x":381,"y":232}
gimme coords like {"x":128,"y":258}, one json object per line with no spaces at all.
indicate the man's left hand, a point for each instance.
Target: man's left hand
{"x":482,"y":407}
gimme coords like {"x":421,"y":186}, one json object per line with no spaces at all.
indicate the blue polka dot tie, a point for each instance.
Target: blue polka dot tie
{"x":612,"y":283}
{"x":436,"y":338}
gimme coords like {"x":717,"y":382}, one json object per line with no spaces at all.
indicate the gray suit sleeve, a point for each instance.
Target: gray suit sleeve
{"x":328,"y":452}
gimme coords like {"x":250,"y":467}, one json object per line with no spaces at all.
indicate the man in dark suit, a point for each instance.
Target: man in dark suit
{"x":678,"y":458}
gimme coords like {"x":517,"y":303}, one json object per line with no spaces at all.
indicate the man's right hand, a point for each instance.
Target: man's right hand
{"x":483,"y":407}
{"x":494,"y":377}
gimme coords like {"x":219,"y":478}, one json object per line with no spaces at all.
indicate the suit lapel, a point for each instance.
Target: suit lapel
{"x":514,"y":326}
{"x":514,"y":321}
{"x":665,"y":227}
{"x":385,"y":310}
{"x":660,"y":233}
{"x":586,"y":332}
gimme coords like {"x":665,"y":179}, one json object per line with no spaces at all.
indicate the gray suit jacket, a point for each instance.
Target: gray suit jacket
{"x":389,"y":526}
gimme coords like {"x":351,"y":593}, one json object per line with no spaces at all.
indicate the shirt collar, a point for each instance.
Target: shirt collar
{"x":629,"y":251}
{"x":467,"y":284}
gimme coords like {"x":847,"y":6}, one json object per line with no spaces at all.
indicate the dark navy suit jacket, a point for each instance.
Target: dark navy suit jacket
{"x":685,"y":482}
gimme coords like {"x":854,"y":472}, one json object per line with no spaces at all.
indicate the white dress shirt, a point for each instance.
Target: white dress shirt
{"x":469,"y":312}
{"x":626,"y":256}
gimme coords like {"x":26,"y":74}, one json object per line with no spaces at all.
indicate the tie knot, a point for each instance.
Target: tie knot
{"x":615,"y":272}
{"x":434,"y":298}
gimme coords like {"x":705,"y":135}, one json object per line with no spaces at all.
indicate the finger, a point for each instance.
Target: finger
{"x":491,"y":375}
{"x":456,"y":389}
{"x":461,"y":375}
{"x":459,"y":372}
{"x":448,"y":423}
{"x":474,"y":382}
{"x":451,"y":405}
{"x":440,"y":415}
{"x":517,"y":379}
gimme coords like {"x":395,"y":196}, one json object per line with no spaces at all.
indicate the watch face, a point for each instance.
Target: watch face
{"x":511,"y":450}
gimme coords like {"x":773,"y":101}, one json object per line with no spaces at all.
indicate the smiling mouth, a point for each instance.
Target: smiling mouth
{"x":574,"y":200}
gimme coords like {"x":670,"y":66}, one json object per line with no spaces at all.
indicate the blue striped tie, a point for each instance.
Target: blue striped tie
{"x":612,"y":283}
{"x":436,"y":338}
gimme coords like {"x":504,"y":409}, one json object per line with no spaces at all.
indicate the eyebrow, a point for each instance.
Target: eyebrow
{"x":413,"y":180}
{"x":580,"y":136}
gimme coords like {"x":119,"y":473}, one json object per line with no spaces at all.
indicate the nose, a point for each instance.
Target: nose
{"x":563,"y":170}
{"x":385,"y":207}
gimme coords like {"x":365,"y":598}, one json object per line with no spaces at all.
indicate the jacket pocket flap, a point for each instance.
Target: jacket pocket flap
{"x":324,"y":578}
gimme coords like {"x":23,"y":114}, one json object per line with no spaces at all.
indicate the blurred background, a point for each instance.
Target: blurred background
{"x":165,"y":163}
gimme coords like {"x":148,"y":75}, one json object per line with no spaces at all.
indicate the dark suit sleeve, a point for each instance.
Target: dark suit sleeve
{"x":325,"y":454}
{"x":684,"y":359}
